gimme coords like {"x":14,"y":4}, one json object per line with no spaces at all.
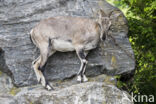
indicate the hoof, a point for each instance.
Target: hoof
{"x":79,"y":79}
{"x":85,"y":79}
{"x":49,"y":88}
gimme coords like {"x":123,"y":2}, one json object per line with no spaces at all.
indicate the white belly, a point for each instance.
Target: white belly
{"x":62,"y":45}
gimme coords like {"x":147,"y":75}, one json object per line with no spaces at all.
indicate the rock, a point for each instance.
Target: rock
{"x":86,"y":93}
{"x":6,"y":86}
{"x":18,"y":17}
{"x":7,"y":100}
{"x":99,"y":90}
{"x":5,"y":83}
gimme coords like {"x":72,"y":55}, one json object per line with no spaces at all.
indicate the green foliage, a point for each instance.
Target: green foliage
{"x":141,"y":15}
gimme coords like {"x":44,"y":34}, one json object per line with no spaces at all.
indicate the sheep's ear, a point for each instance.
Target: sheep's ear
{"x":101,"y":13}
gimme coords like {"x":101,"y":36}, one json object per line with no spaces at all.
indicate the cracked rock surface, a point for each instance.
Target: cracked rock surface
{"x":111,"y":57}
{"x":99,"y":90}
{"x":18,"y":17}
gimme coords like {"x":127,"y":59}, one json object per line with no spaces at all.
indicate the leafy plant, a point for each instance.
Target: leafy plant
{"x":141,"y":15}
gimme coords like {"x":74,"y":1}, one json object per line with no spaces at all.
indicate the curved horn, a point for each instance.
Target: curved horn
{"x":102,"y":13}
{"x":111,"y":13}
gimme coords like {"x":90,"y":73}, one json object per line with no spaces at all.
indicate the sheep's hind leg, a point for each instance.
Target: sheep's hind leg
{"x":44,"y":56}
{"x":40,"y":76}
{"x":39,"y":65}
{"x":35,"y":65}
{"x":82,"y":55}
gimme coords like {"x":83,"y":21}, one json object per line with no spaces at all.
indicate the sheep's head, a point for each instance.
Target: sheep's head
{"x":105,"y":24}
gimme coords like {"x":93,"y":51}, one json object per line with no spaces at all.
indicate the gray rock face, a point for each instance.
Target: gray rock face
{"x":86,"y":93}
{"x":17,"y":17}
{"x":5,"y":88}
{"x":99,"y":90}
{"x":5,"y":83}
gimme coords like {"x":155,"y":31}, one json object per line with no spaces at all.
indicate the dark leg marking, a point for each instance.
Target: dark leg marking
{"x":42,"y":69}
{"x":82,"y":57}
{"x":81,"y":72}
{"x":81,"y":54}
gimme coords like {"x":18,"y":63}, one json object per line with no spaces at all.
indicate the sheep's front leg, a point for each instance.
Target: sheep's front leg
{"x":81,"y":74}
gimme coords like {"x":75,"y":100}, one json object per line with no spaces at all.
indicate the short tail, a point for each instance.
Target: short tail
{"x":32,"y":37}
